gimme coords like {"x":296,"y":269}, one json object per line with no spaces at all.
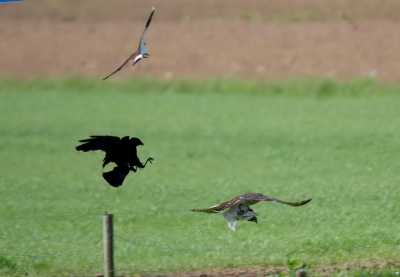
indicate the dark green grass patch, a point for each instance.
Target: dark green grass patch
{"x":211,"y":140}
{"x":311,"y":87}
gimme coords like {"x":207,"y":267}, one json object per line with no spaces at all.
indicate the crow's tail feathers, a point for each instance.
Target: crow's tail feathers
{"x":116,"y":176}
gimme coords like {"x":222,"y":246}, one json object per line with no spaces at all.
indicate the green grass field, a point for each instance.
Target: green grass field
{"x":337,"y":142}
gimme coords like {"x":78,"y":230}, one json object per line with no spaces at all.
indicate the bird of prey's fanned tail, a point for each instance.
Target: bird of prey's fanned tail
{"x":301,"y":203}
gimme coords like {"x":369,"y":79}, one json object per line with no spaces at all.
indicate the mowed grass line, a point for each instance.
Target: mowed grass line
{"x":337,"y":142}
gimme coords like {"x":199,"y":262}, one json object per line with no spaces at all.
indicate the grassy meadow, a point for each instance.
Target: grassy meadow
{"x":337,"y":142}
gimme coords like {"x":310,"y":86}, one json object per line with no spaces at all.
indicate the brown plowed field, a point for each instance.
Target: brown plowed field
{"x":267,"y":39}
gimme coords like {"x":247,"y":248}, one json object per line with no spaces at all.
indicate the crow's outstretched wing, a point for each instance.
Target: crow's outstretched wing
{"x":104,"y":143}
{"x":116,"y":176}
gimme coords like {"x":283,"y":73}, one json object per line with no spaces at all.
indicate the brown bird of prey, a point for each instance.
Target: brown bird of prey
{"x":122,"y":152}
{"x":141,"y":52}
{"x":239,"y":207}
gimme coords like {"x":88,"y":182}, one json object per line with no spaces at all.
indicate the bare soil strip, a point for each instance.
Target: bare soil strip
{"x":267,"y":271}
{"x":264,"y":50}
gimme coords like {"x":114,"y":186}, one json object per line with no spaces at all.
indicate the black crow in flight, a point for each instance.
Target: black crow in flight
{"x":122,"y":152}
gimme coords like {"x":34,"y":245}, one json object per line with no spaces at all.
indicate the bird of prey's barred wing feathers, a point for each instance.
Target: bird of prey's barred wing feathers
{"x":238,"y":208}
{"x":141,"y":52}
{"x":251,"y":199}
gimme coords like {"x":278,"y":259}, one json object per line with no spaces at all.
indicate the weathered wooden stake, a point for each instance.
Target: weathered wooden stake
{"x":108,"y":245}
{"x":301,"y":273}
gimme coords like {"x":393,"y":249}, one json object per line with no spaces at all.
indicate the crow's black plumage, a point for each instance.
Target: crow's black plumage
{"x":122,"y":152}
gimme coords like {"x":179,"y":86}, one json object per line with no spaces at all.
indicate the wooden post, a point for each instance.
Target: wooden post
{"x":301,"y":273}
{"x":108,"y":245}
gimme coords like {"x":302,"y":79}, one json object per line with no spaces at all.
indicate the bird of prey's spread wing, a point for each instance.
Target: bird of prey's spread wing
{"x":121,"y":151}
{"x":250,"y":198}
{"x":141,"y":52}
{"x":239,"y":207}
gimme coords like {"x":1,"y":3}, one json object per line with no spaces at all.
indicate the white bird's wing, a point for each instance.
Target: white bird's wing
{"x":122,"y":65}
{"x":249,"y":214}
{"x":231,"y":216}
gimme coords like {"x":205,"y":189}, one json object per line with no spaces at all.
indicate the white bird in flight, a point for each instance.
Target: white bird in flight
{"x":141,"y":52}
